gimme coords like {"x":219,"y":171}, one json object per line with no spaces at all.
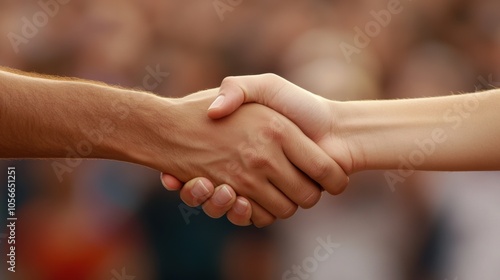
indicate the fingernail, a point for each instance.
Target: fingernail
{"x":199,"y":190}
{"x":217,"y":103}
{"x":240,"y":207}
{"x":222,"y":197}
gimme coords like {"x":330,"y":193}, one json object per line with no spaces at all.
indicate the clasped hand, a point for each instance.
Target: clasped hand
{"x":259,"y":163}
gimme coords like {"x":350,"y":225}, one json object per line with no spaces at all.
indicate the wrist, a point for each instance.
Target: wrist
{"x":156,"y":131}
{"x":162,"y":131}
{"x":138,"y":129}
{"x":345,"y":127}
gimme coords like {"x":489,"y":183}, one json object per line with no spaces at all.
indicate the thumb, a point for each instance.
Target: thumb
{"x":234,"y":91}
{"x":308,"y":111}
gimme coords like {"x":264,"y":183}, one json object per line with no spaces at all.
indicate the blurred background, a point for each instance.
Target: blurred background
{"x":113,"y":221}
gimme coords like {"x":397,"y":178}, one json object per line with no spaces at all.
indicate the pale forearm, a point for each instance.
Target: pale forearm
{"x":458,"y":132}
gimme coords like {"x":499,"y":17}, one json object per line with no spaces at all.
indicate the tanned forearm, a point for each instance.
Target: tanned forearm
{"x":50,"y":118}
{"x":458,"y":132}
{"x":54,"y":118}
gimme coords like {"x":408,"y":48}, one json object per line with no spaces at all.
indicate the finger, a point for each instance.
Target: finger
{"x":314,"y":162}
{"x":303,"y":191}
{"x":296,"y":186}
{"x":274,"y":201}
{"x":241,"y":212}
{"x":260,"y":216}
{"x":170,"y":182}
{"x":221,"y":201}
{"x":197,"y":191}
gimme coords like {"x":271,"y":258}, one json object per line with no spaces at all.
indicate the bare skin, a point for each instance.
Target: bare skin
{"x":450,"y":133}
{"x":270,"y":162}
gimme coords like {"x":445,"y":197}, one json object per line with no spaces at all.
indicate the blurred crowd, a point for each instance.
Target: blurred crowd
{"x":105,"y":218}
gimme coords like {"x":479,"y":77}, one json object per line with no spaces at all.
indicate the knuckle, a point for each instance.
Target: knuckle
{"x":258,"y":160}
{"x":288,"y":212}
{"x":320,"y":169}
{"x":273,"y":132}
{"x":340,"y":188}
{"x":271,"y":77}
{"x":311,"y":199}
{"x":228,"y":81}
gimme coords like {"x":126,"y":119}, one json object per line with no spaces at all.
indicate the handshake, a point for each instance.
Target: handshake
{"x":261,"y":161}
{"x":265,"y":162}
{"x":254,"y":162}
